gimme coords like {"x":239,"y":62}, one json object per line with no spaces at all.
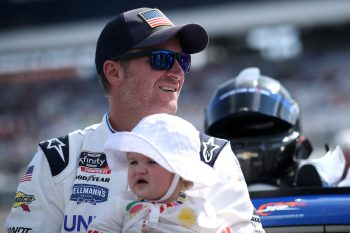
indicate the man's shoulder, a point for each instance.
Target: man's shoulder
{"x":57,"y":149}
{"x":207,"y":137}
{"x":89,"y":129}
{"x":210,"y":148}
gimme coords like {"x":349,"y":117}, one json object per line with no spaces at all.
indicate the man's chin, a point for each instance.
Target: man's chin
{"x":170,"y":108}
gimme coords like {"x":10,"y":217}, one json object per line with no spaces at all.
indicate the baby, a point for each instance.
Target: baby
{"x":161,"y":155}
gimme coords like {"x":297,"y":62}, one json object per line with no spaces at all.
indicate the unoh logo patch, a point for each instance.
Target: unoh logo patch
{"x":89,"y":193}
{"x":23,"y":200}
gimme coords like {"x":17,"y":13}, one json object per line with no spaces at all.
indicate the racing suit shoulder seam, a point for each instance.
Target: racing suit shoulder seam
{"x":210,"y":148}
{"x":56,"y":151}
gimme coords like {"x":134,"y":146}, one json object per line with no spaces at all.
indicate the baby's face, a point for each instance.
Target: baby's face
{"x":146,"y":178}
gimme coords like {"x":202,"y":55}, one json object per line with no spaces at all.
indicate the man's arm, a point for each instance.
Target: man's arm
{"x":38,"y":205}
{"x":231,"y":199}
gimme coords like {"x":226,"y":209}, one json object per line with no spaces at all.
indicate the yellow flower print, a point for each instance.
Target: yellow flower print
{"x":187,"y":217}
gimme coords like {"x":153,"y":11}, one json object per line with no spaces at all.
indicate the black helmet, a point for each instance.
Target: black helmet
{"x":261,"y":120}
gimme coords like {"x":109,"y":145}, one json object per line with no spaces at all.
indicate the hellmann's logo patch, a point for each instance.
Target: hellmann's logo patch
{"x":85,"y":193}
{"x":23,"y":200}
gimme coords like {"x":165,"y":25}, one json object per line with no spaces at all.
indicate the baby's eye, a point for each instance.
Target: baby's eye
{"x":151,"y":161}
{"x":132,"y":162}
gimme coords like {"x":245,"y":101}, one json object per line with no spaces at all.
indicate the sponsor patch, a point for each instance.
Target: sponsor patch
{"x":90,"y":178}
{"x":18,"y":230}
{"x":92,"y":162}
{"x":93,"y":194}
{"x":255,"y":218}
{"x":23,"y":200}
{"x":77,"y":223}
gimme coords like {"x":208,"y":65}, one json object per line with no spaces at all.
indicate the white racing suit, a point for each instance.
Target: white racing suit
{"x":68,"y":183}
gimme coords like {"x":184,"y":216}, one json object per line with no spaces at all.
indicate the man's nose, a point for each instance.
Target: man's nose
{"x":176,"y":70}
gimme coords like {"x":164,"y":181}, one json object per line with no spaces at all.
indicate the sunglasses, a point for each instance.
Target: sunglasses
{"x":161,"y":59}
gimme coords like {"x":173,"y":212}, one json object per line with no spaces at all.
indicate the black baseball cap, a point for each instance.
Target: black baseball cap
{"x":145,"y":27}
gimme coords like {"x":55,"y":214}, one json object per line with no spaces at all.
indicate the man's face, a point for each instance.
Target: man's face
{"x":146,"y":178}
{"x":148,"y":91}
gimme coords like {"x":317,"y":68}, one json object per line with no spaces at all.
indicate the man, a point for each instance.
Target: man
{"x":141,"y":58}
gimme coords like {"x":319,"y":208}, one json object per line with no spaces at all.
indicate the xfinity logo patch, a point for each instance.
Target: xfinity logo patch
{"x":93,"y":162}
{"x":92,"y":194}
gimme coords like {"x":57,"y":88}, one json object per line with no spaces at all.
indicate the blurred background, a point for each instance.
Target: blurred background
{"x":48,"y":82}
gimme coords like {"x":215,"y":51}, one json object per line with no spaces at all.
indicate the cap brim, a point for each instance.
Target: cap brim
{"x":186,"y":166}
{"x":193,"y":38}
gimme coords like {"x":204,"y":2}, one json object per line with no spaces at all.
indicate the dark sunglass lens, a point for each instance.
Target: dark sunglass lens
{"x":185,"y":61}
{"x":162,"y":60}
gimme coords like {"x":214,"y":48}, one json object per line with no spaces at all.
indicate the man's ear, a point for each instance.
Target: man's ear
{"x":112,"y":71}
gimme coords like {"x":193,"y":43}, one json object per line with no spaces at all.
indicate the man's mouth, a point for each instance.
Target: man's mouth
{"x":167,"y":88}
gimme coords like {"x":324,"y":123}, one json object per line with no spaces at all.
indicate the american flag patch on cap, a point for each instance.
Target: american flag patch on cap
{"x":155,"y":18}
